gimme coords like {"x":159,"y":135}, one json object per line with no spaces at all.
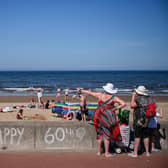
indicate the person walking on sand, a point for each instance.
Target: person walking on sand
{"x":140,"y":121}
{"x":105,"y":121}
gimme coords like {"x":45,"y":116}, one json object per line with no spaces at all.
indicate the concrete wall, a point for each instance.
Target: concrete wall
{"x":41,"y":135}
{"x":47,"y":135}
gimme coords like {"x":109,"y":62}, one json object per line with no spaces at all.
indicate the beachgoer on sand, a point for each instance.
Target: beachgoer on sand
{"x":39,"y":96}
{"x":105,"y":121}
{"x":19,"y":115}
{"x":42,"y":105}
{"x":47,"y":105}
{"x":66,"y":95}
{"x":33,"y":103}
{"x":140,"y":121}
{"x":58,"y":96}
{"x":83,"y":107}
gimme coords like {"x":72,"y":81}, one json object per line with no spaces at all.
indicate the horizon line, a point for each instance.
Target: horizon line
{"x":88,"y":70}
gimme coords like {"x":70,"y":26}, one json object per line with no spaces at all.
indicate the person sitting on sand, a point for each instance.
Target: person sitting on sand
{"x":42,"y":105}
{"x":47,"y":105}
{"x":19,"y":115}
{"x":33,"y":103}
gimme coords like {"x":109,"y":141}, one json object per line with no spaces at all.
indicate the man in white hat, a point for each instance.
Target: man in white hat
{"x":140,"y":122}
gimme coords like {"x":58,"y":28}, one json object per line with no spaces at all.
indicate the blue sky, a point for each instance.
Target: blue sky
{"x":84,"y":35}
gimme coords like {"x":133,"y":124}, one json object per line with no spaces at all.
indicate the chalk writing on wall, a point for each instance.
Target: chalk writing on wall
{"x":61,"y":133}
{"x":11,"y":136}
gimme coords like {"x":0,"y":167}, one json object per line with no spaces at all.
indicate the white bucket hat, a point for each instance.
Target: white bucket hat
{"x":109,"y":88}
{"x":142,"y":90}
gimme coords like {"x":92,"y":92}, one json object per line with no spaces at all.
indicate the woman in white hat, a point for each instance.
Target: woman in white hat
{"x":105,"y":121}
{"x":140,"y":122}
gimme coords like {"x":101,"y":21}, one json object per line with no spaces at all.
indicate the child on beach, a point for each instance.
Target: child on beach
{"x":19,"y":115}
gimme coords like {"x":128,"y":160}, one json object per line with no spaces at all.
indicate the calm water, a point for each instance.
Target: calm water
{"x":125,"y":81}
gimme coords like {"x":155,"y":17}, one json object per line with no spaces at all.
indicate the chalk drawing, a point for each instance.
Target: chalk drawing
{"x":60,"y":134}
{"x":80,"y":133}
{"x":58,"y":130}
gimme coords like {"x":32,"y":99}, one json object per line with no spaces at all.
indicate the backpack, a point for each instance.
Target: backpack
{"x":123,"y":116}
{"x":150,"y":111}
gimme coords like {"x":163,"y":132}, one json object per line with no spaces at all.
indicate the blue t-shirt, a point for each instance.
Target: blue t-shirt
{"x":152,"y":122}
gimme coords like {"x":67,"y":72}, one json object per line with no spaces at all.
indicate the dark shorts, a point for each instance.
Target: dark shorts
{"x":84,"y":111}
{"x":141,"y":132}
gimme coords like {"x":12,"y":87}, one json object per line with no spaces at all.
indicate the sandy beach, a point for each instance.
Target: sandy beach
{"x":46,"y":115}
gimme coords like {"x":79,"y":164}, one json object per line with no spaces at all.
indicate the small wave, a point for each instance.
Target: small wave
{"x":125,"y":90}
{"x":165,"y":91}
{"x":22,"y":89}
{"x":15,"y":89}
{"x":99,"y":89}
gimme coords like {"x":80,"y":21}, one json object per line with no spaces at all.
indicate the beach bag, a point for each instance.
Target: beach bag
{"x":123,"y":116}
{"x":151,"y":110}
{"x":125,"y":133}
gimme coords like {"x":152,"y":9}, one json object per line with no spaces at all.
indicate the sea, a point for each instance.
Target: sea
{"x":12,"y":83}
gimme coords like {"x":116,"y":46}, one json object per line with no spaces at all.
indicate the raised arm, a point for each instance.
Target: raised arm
{"x":121,"y":102}
{"x":94,"y":94}
{"x":133,"y":103}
